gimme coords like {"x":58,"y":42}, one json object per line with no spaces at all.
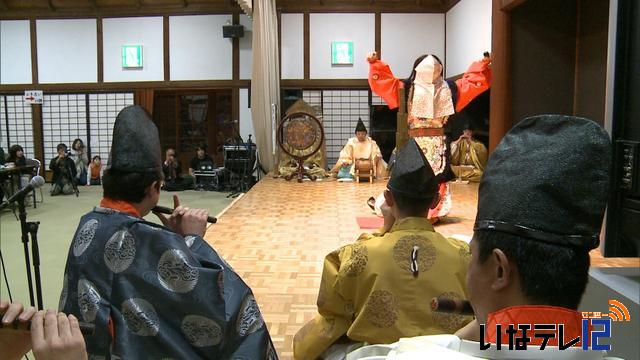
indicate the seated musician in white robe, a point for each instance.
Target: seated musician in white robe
{"x":360,"y":147}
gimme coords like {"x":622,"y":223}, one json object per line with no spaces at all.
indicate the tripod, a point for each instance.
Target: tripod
{"x":73,"y":181}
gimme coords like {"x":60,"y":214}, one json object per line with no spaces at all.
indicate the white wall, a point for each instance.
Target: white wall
{"x":468,"y":34}
{"x":325,"y":28}
{"x":404,"y":37}
{"x":246,"y":124}
{"x":67,"y":51}
{"x":245,"y":47}
{"x":15,"y":52}
{"x":197,"y":49}
{"x":292,"y":46}
{"x":145,"y":31}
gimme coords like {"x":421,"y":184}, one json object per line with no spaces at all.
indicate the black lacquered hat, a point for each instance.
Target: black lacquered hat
{"x":548,"y":180}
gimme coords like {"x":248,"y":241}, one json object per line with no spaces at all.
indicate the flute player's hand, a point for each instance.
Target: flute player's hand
{"x":15,"y":343}
{"x":57,"y":336}
{"x":184,"y":220}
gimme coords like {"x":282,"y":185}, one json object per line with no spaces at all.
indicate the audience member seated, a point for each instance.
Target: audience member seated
{"x":377,"y":290}
{"x":18,"y":159}
{"x":202,"y":162}
{"x":81,"y":161}
{"x":537,"y":221}
{"x":16,"y":156}
{"x":64,"y":172}
{"x":51,"y":335}
{"x":360,"y":147}
{"x":201,"y":159}
{"x":468,"y":157}
{"x":95,"y":171}
{"x":154,"y":291}
{"x":173,"y":180}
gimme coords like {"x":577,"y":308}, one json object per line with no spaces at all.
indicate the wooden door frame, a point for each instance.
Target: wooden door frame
{"x":500,"y":104}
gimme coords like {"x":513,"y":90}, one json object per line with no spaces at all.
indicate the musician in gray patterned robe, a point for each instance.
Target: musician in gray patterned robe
{"x":155,"y":291}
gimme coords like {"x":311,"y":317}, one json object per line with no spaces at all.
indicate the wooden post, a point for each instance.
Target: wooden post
{"x":402,"y":128}
{"x":38,"y":143}
{"x":500,"y":104}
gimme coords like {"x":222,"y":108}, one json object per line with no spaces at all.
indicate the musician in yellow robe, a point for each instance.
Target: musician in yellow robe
{"x":377,"y":290}
{"x":360,"y":147}
{"x":468,"y":157}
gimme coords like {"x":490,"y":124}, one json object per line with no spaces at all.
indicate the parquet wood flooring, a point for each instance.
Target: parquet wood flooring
{"x":277,"y":235}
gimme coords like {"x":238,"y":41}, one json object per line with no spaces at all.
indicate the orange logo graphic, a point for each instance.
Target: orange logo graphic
{"x":617,"y":311}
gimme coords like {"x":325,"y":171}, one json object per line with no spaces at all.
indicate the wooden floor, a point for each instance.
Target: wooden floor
{"x":276,"y":237}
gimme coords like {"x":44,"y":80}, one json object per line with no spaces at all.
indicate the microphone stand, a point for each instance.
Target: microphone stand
{"x":258,"y":166}
{"x":31,"y":229}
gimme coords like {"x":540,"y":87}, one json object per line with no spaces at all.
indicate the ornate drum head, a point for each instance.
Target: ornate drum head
{"x":300,"y":135}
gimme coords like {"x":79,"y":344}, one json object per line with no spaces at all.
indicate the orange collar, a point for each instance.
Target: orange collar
{"x":120,"y":205}
{"x":532,"y":315}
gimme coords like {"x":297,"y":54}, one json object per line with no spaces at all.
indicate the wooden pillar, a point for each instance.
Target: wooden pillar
{"x":378,"y":34}
{"x":306,"y":33}
{"x":144,"y":98}
{"x":38,"y":143}
{"x":500,"y":114}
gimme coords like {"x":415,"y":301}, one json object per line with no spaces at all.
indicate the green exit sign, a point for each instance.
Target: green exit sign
{"x":342,"y":53}
{"x":132,"y":56}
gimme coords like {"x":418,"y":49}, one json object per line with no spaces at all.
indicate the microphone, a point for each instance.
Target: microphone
{"x":168,"y":211}
{"x":36,"y":182}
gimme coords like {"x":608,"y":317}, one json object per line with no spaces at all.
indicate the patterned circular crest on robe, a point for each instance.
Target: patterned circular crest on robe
{"x":140,"y":316}
{"x":404,"y":247}
{"x":84,"y":237}
{"x":357,"y":261}
{"x":88,"y":299}
{"x":201,"y":331}
{"x":64,"y":293}
{"x":174,"y":272}
{"x":381,"y":309}
{"x":249,"y":319}
{"x":119,"y":251}
{"x":300,"y":134}
{"x":450,"y":322}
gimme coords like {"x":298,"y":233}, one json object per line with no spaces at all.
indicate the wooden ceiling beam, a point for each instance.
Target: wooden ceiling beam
{"x":193,"y":7}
